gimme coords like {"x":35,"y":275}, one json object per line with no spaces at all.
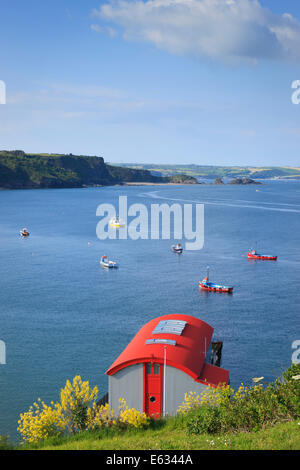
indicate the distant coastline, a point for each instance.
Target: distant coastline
{"x":211,"y":172}
{"x":19,"y":170}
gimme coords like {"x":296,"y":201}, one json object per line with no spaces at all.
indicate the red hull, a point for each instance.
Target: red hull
{"x":263,"y":257}
{"x":227,"y":290}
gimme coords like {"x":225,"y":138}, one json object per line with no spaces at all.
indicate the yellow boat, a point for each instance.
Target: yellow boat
{"x":116,"y":222}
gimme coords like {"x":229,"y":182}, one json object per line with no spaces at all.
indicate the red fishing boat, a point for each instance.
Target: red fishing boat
{"x":252,"y":254}
{"x":213,"y":287}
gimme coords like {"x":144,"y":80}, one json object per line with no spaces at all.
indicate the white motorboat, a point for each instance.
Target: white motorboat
{"x":177,"y":248}
{"x":24,"y":232}
{"x":107,"y":263}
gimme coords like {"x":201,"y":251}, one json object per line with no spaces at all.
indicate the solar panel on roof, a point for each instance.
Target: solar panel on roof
{"x":175,"y":327}
{"x":161,"y":341}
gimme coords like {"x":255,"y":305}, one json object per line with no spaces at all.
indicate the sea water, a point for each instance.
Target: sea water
{"x":61,"y":314}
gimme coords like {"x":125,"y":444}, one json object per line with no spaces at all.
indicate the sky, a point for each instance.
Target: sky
{"x":152,"y":81}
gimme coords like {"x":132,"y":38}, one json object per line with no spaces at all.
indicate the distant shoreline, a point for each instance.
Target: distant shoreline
{"x":108,"y":186}
{"x":158,"y":184}
{"x":144,"y":183}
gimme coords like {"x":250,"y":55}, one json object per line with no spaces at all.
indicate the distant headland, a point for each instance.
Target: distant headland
{"x":20,"y":170}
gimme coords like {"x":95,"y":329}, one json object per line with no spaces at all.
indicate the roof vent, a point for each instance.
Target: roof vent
{"x":174,"y":327}
{"x":171,"y":342}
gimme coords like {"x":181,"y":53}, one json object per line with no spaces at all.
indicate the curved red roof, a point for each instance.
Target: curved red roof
{"x":187,"y":355}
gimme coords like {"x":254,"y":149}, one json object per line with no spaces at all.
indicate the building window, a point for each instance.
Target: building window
{"x":156,"y":369}
{"x":149,"y":368}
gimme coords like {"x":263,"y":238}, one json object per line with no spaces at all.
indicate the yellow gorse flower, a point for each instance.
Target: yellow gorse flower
{"x":76,"y":392}
{"x":132,"y":416}
{"x":212,"y":396}
{"x":42,"y":421}
{"x":98,"y":416}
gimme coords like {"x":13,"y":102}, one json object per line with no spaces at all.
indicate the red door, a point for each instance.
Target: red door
{"x":153,"y":374}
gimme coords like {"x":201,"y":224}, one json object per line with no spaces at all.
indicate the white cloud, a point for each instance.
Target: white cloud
{"x":104,"y":29}
{"x":227,"y":30}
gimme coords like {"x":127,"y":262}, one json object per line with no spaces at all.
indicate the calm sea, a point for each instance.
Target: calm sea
{"x":61,"y":314}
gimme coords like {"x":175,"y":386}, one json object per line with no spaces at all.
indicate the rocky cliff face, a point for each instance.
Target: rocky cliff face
{"x":20,"y":170}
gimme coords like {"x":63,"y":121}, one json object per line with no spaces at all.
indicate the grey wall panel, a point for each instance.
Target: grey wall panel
{"x":127,"y":383}
{"x":177,"y":384}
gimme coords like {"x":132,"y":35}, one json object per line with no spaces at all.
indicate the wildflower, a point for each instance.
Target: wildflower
{"x":132,"y":416}
{"x":70,"y":414}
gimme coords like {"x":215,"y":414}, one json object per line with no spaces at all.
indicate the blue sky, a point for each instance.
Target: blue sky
{"x":159,"y":81}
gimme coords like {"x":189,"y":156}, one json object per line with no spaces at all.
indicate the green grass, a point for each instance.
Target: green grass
{"x":263,"y":416}
{"x":283,"y":436}
{"x":212,"y":172}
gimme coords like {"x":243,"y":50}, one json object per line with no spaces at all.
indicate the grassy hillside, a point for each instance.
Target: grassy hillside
{"x":212,"y":172}
{"x":262,"y":416}
{"x":19,"y":170}
{"x":285,"y":436}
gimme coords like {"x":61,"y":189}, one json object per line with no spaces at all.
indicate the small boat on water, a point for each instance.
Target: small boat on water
{"x":116,"y":222}
{"x":213,"y":287}
{"x":177,"y":248}
{"x":107,"y":263}
{"x":252,"y":254}
{"x":24,"y":232}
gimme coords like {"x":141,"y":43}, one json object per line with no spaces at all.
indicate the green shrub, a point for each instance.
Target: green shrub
{"x":223,"y":410}
{"x":206,"y":419}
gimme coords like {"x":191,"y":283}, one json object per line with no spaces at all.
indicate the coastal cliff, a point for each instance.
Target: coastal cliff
{"x":19,"y":170}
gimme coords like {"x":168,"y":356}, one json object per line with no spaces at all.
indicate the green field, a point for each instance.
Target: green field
{"x":212,"y":172}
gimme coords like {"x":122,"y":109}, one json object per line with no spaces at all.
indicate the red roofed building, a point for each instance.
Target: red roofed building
{"x":170,"y":356}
